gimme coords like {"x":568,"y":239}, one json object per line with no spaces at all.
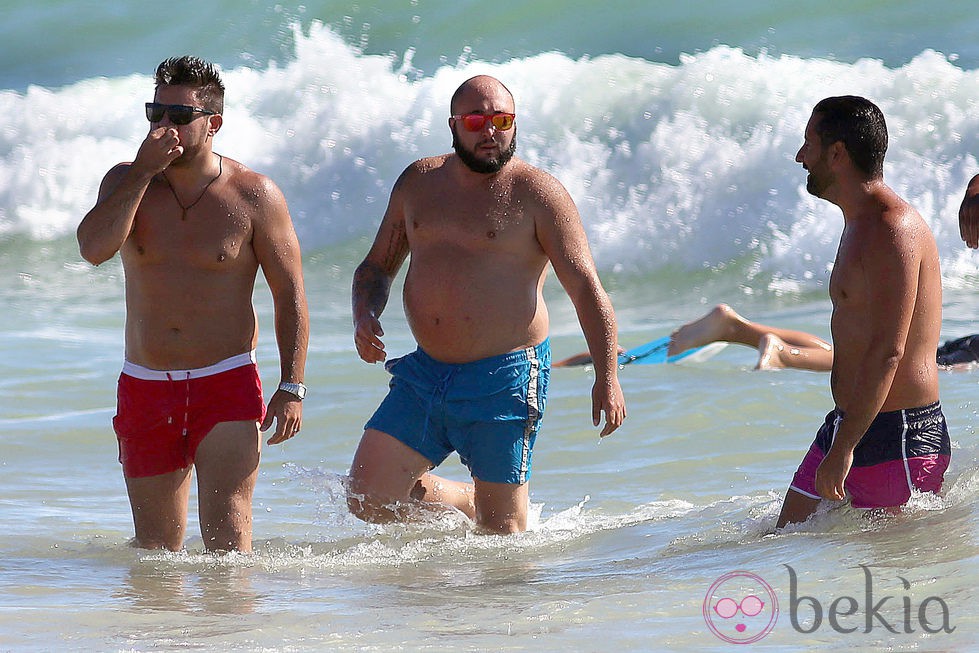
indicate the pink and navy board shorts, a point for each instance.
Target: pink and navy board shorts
{"x":162,"y":416}
{"x":902,"y":450}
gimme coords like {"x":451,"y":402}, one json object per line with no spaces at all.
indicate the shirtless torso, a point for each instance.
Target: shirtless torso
{"x":887,"y":307}
{"x":474,"y":282}
{"x":189,"y":283}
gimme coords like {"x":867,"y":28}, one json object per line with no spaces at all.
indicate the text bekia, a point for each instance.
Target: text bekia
{"x":845,"y":614}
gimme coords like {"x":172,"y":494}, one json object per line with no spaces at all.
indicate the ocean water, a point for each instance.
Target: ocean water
{"x":674,"y":127}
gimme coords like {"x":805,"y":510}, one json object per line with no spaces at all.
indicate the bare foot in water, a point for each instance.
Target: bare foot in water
{"x":719,"y":324}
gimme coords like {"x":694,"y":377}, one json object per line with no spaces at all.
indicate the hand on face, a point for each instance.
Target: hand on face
{"x":159,"y":149}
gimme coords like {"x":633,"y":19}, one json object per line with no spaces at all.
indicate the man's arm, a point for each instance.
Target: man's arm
{"x":374,"y":276}
{"x":969,"y":214}
{"x":563,"y":239}
{"x":888,"y":272}
{"x":277,"y":250}
{"x":105,"y":228}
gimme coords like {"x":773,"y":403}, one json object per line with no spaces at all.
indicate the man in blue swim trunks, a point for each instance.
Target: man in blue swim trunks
{"x":886,"y":436}
{"x":481,"y":227}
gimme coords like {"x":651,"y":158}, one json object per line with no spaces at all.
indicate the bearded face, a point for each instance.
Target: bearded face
{"x":820,"y":176}
{"x":813,"y":155}
{"x":481,"y":163}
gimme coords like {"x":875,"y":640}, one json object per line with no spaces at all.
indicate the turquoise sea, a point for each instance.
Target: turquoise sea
{"x":675,"y":127}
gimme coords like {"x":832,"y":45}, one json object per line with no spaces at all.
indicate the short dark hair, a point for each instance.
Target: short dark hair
{"x":859,"y":124}
{"x":197,"y":73}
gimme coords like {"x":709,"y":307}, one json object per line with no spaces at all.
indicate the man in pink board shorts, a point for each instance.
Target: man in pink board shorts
{"x":887,"y":427}
{"x":193,"y":228}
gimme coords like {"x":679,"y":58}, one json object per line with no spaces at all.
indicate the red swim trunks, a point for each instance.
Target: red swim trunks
{"x":162,"y":417}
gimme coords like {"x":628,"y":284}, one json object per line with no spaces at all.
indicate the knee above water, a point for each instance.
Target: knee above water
{"x":356,"y":504}
{"x":503,"y":527}
{"x":368,"y":509}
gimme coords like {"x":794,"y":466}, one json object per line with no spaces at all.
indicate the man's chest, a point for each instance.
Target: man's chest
{"x":478,"y":222}
{"x":218,"y":237}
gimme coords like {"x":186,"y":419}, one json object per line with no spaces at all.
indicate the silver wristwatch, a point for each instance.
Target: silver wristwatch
{"x":297,"y":389}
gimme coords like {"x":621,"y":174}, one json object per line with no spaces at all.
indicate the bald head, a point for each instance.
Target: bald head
{"x":476,"y":89}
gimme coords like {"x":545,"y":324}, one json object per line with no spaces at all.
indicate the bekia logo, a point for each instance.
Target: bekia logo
{"x":847,"y":614}
{"x":740,"y":608}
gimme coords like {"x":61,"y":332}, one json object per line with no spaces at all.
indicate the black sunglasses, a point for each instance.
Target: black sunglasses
{"x":180,"y":114}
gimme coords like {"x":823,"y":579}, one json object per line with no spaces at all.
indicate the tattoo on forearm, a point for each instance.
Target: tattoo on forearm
{"x":372,"y":279}
{"x":371,"y":288}
{"x":397,"y":248}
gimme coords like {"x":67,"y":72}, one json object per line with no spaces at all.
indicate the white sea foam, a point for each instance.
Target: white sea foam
{"x":688,"y":165}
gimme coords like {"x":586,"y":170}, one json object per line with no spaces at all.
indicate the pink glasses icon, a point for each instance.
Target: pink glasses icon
{"x":750,"y":606}
{"x":720,"y":613}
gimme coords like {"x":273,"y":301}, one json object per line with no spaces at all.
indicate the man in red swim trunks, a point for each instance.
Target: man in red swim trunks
{"x":193,"y":228}
{"x":887,"y":435}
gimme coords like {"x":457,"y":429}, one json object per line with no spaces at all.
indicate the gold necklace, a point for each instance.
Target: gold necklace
{"x":184,"y":209}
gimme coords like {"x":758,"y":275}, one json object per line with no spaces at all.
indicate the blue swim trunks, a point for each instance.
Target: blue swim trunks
{"x":489,"y":411}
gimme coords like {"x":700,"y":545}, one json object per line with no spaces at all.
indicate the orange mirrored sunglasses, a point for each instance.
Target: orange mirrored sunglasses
{"x":474,"y":122}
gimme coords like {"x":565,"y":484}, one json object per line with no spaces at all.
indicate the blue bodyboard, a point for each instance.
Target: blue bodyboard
{"x":653,"y":352}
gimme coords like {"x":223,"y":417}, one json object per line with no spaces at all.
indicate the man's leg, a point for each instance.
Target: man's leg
{"x":227,"y":468}
{"x":502,"y":507}
{"x":389,"y":481}
{"x":441,"y":491}
{"x":796,"y":508}
{"x":159,"y":505}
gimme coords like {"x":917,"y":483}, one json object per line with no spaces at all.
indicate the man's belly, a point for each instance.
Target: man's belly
{"x":160,"y":343}
{"x":911,"y":388}
{"x":460,"y":336}
{"x":474,"y":306}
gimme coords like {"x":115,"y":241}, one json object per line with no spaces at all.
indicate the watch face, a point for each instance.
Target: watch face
{"x":297,"y":389}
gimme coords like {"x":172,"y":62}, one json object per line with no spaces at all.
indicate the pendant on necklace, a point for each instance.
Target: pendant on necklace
{"x":184,"y":209}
